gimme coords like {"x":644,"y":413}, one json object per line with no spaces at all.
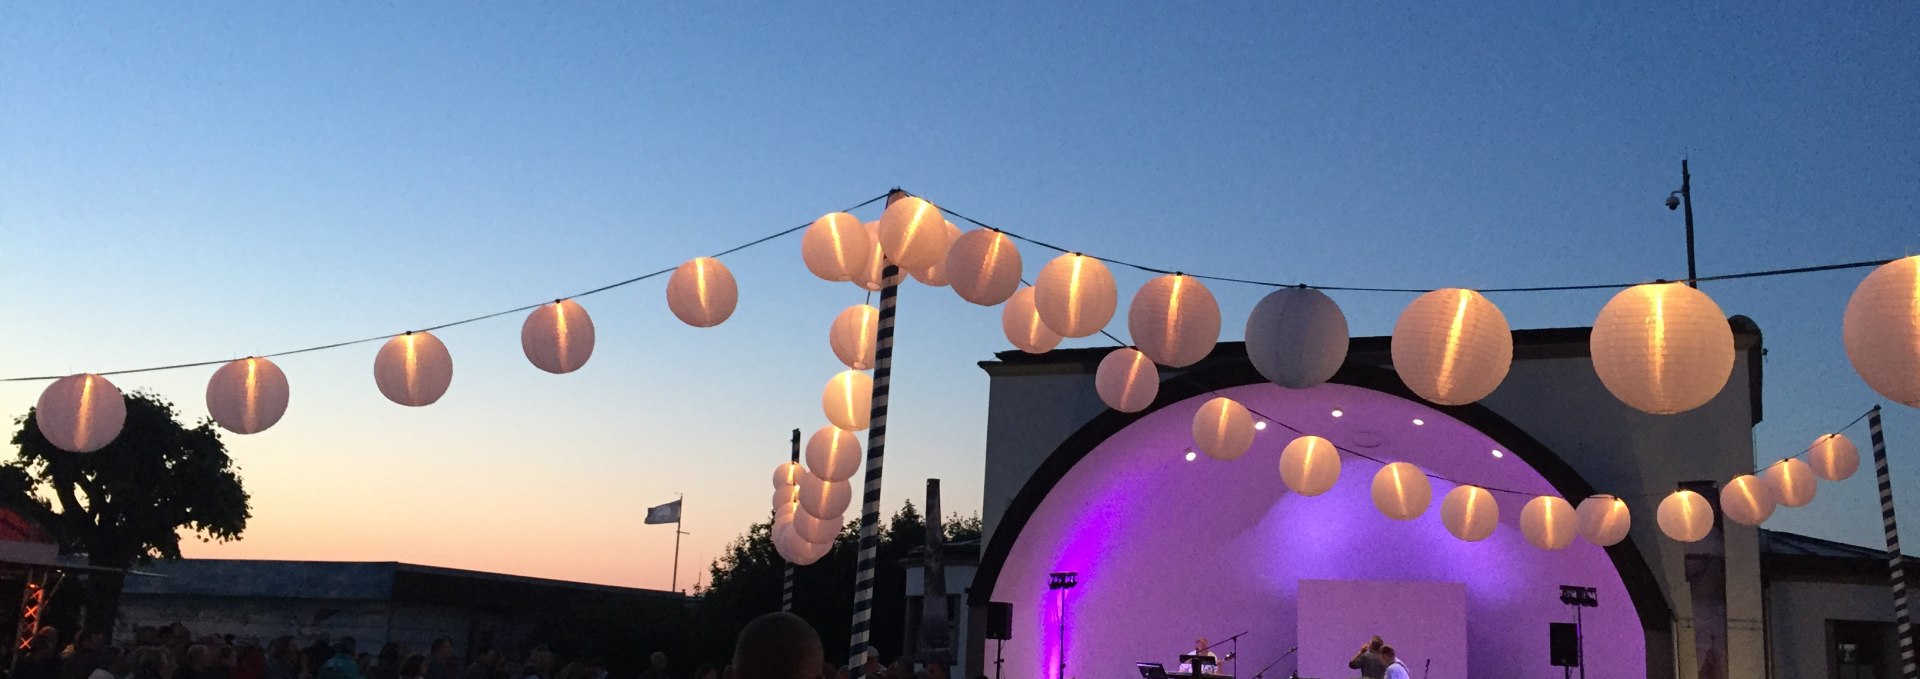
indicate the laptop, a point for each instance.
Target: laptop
{"x":1151,"y":670}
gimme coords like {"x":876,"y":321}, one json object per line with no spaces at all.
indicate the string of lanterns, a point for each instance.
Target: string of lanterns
{"x":1659,"y":347}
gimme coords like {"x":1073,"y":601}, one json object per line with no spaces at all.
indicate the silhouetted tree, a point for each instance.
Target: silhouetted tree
{"x":129,"y":502}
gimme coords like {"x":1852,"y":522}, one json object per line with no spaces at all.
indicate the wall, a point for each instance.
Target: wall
{"x":1799,"y":614}
{"x":259,"y":618}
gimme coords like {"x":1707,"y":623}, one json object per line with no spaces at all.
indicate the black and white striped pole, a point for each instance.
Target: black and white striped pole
{"x":876,"y":450}
{"x":786,"y":584}
{"x":1902,"y":615}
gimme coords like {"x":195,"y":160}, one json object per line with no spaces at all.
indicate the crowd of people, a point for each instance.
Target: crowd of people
{"x":775,"y":646}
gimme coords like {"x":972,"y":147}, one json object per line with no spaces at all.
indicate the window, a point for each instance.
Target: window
{"x":1860,"y":649}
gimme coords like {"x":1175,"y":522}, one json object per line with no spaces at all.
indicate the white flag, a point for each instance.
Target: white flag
{"x":667,"y":513}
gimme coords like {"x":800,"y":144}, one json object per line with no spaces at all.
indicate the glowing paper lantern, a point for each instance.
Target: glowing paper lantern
{"x":833,"y":453}
{"x":1127,"y":381}
{"x":913,"y":234}
{"x":1604,"y":520}
{"x":80,"y":413}
{"x":1685,"y":516}
{"x":1747,"y":500}
{"x":1548,"y":522}
{"x":702,"y":293}
{"x":848,"y":400}
{"x":1297,"y":337}
{"x":1310,"y":465}
{"x":413,"y":369}
{"x":935,"y":274}
{"x":835,"y":245}
{"x":816,"y":530}
{"x":1223,"y":429}
{"x":785,"y":543}
{"x":558,"y":337}
{"x":855,"y":336}
{"x":1452,"y":346}
{"x":785,"y":476}
{"x":1469,"y":513}
{"x":871,"y":275}
{"x":1792,"y":482}
{"x":1881,"y":330}
{"x":1075,"y":295}
{"x":1662,"y":348}
{"x":1021,"y":322}
{"x":1833,"y":457}
{"x":247,"y":396}
{"x":1401,"y":491}
{"x":799,"y":552}
{"x":1174,"y":320}
{"x":983,"y":267}
{"x":821,"y":497}
{"x":786,"y":500}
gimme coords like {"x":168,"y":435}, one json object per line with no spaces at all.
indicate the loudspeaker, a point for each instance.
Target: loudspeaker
{"x":1564,"y":644}
{"x":999,"y":620}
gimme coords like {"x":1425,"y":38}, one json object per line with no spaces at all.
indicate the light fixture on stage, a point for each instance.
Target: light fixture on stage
{"x":1578,"y":597}
{"x":1419,"y":422}
{"x":1337,"y":412}
{"x":1062,"y":581}
{"x":1260,"y":425}
{"x":1191,"y":455}
{"x":1497,"y":454}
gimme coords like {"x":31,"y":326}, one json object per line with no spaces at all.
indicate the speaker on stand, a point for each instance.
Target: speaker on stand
{"x":999,"y":629}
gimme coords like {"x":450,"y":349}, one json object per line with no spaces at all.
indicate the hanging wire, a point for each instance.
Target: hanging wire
{"x":464,"y":321}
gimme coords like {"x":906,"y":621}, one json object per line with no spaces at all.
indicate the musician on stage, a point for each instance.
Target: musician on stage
{"x":1395,"y":668}
{"x":1368,"y":660}
{"x":1200,"y":649}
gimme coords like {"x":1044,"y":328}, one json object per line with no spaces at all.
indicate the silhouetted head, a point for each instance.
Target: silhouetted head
{"x":778,"y":646}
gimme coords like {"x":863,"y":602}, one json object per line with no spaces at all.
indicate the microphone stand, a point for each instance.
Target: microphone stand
{"x":1233,"y":654}
{"x":1296,"y":669}
{"x":1428,"y":672}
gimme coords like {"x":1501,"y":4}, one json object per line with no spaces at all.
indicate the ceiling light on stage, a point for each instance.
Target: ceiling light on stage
{"x":1191,"y":455}
{"x":1419,"y":422}
{"x":1337,"y":412}
{"x":1260,"y":425}
{"x":1497,"y":454}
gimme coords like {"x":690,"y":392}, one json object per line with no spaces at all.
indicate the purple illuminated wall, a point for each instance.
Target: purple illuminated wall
{"x":1168,"y":550}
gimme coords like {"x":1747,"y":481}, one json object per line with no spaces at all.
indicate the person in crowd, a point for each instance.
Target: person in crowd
{"x":1368,"y":660}
{"x":779,"y":646}
{"x":482,"y":665}
{"x":415,"y":666}
{"x":441,"y":662}
{"x":657,"y":667}
{"x":224,"y":659}
{"x":1395,"y":668}
{"x":41,"y":659}
{"x":343,"y":664}
{"x":252,"y":663}
{"x":283,"y":659}
{"x":900,"y":669}
{"x":387,"y":665}
{"x":870,"y":665}
{"x":151,"y":662}
{"x":85,"y":655}
{"x":317,"y":655}
{"x":113,"y":664}
{"x":195,"y":664}
{"x":706,"y":671}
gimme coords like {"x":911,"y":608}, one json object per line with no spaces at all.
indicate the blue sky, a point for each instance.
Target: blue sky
{"x":185,"y":182}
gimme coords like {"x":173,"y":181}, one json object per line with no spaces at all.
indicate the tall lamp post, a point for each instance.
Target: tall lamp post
{"x":1684,"y":197}
{"x":1061,"y":582}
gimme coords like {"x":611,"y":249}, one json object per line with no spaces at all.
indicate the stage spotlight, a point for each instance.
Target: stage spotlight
{"x":1063,"y":580}
{"x":1191,"y":455}
{"x":1419,"y":422}
{"x":1260,"y":425}
{"x":1498,"y":454}
{"x":1337,"y":412}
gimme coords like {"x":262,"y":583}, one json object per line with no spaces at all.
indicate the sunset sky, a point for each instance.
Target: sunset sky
{"x":184,"y":182}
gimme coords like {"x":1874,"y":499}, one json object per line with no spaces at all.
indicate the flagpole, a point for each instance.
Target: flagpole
{"x":681,"y":501}
{"x":786,"y":583}
{"x":1896,"y":564}
{"x":869,"y":546}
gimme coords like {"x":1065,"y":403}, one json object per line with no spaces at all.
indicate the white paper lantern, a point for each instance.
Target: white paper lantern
{"x":247,"y":396}
{"x":1223,"y":429}
{"x":1310,"y":465}
{"x":1075,"y":295}
{"x":823,"y":498}
{"x":1604,"y":520}
{"x":983,"y":267}
{"x":935,"y":274}
{"x":1685,"y":516}
{"x":1469,"y":513}
{"x":1452,"y":346}
{"x":913,"y":234}
{"x":786,"y":499}
{"x":1297,"y":337}
{"x":1662,"y":348}
{"x":833,"y":453}
{"x":848,"y":400}
{"x":785,"y":476}
{"x":80,"y":413}
{"x":1021,"y":323}
{"x":799,"y":552}
{"x":413,"y":369}
{"x":702,"y":293}
{"x":817,"y":530}
{"x":1126,"y":380}
{"x":1174,"y":320}
{"x":785,"y":543}
{"x":872,"y":273}
{"x":855,"y":336}
{"x":1747,"y":500}
{"x":835,"y":245}
{"x":1881,"y":330}
{"x":1548,"y":522}
{"x":1401,"y":491}
{"x":557,"y":337}
{"x":1792,"y":481}
{"x":1833,"y":457}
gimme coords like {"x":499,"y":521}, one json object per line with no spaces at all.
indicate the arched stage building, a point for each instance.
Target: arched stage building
{"x":1166,"y":550}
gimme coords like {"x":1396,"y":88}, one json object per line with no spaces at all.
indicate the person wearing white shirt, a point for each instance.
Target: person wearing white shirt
{"x":1200,"y":648}
{"x":1395,"y":668}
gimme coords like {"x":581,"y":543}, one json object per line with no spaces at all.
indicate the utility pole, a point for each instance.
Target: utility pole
{"x":1684,"y":197}
{"x":869,"y":550}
